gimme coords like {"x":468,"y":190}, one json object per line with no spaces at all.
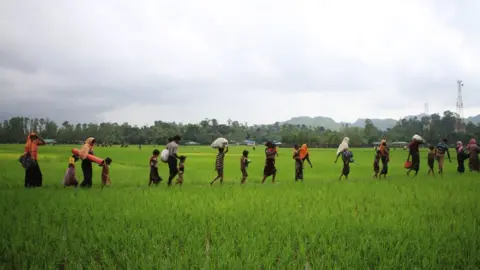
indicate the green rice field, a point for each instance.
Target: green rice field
{"x":322,"y":223}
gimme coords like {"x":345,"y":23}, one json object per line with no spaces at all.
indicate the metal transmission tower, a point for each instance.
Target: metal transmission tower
{"x":459,"y":125}
{"x":426,"y":126}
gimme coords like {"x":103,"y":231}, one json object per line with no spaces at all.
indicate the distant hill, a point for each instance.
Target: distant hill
{"x":382,"y":124}
{"x":318,"y":121}
{"x":474,"y":119}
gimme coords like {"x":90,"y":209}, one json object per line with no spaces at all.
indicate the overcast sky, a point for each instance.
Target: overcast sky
{"x":254,"y":61}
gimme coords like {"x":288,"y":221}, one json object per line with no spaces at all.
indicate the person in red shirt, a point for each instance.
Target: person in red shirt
{"x":414,"y":148}
{"x":269,"y":169}
{"x":33,"y":174}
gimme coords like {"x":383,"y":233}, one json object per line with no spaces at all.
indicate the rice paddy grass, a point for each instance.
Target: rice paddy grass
{"x":322,"y":223}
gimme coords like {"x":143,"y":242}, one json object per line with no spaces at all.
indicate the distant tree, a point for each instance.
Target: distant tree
{"x":16,"y":129}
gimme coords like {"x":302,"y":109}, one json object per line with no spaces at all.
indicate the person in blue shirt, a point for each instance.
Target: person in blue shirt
{"x":440,"y":151}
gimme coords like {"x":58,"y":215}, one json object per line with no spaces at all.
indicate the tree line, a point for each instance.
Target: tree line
{"x":432,"y":128}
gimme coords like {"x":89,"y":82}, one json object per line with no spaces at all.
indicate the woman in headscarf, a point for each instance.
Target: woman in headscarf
{"x":33,"y":174}
{"x":384,"y":157}
{"x":473,"y":161}
{"x":461,"y":156}
{"x":269,"y":169}
{"x":305,"y":155}
{"x":414,"y":148}
{"x":298,"y":163}
{"x":87,"y":169}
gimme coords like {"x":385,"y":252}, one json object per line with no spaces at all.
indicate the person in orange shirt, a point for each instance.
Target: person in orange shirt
{"x":33,"y":174}
{"x":305,"y":155}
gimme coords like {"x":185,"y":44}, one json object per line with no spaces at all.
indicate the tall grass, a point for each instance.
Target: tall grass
{"x":427,"y":223}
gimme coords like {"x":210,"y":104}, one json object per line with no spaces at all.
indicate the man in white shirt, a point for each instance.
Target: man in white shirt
{"x":172,"y":148}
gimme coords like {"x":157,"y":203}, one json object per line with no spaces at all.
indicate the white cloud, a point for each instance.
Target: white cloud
{"x":162,"y":60}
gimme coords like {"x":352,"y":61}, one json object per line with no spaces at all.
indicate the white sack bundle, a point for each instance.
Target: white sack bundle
{"x":343,"y":145}
{"x":417,"y":138}
{"x":164,"y":155}
{"x":219,"y":143}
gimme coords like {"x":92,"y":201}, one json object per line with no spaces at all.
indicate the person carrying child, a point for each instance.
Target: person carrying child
{"x":69,"y":179}
{"x":431,"y":160}
{"x":181,"y":170}
{"x":154,"y":176}
{"x":244,"y":165}
{"x":440,"y":151}
{"x":219,"y":163}
{"x":298,"y":163}
{"x":462,"y":155}
{"x":106,"y":172}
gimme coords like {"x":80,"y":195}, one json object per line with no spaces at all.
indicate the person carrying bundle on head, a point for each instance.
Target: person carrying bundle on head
{"x":347,"y":157}
{"x":414,"y":153}
{"x":219,"y":164}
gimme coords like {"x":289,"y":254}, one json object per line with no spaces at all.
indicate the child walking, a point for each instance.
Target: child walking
{"x":106,"y":172}
{"x":154,"y":176}
{"x":219,"y":164}
{"x":181,"y":170}
{"x":69,"y":179}
{"x":244,"y":165}
{"x":431,"y":160}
